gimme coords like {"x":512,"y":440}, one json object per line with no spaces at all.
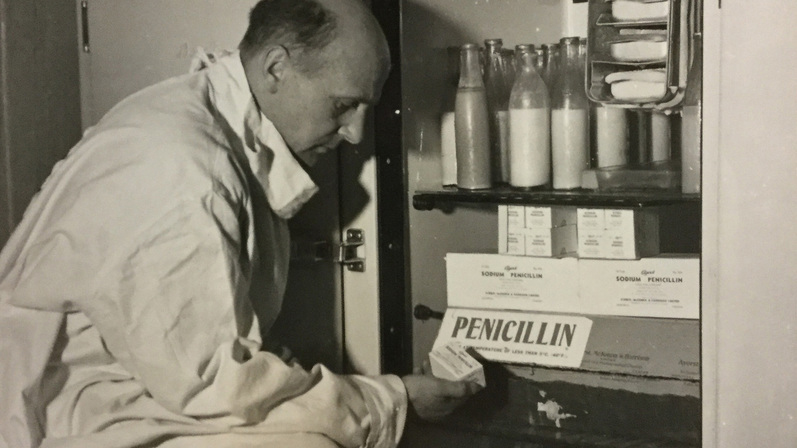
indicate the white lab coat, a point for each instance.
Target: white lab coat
{"x":133,"y":292}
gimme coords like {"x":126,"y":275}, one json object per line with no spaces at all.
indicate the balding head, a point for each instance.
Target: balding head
{"x":307,"y":27}
{"x":314,"y":66}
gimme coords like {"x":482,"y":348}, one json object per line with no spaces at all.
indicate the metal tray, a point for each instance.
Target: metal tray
{"x":604,"y":30}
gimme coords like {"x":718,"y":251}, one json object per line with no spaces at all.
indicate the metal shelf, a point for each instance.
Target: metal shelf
{"x":429,"y":200}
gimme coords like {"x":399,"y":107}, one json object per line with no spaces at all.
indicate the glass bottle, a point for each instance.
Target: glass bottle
{"x":448,"y":145}
{"x":551,"y":64}
{"x":510,"y":68}
{"x":569,"y":120}
{"x":691,"y":132}
{"x":497,"y":97}
{"x":660,"y":136}
{"x":539,"y":66}
{"x":611,"y":136}
{"x":582,"y":57}
{"x":529,"y":124}
{"x":471,"y":123}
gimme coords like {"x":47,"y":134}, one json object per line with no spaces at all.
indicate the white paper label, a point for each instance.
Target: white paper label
{"x":516,"y":337}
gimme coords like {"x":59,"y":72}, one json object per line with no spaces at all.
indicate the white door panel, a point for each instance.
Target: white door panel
{"x":133,"y":44}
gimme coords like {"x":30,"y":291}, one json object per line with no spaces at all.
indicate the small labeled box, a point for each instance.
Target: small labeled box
{"x":511,"y":227}
{"x":551,"y":242}
{"x":590,"y":219}
{"x":549,"y":217}
{"x":627,"y":234}
{"x":515,"y":244}
{"x":537,"y":231}
{"x":516,"y":218}
{"x":591,"y":243}
{"x":453,"y":362}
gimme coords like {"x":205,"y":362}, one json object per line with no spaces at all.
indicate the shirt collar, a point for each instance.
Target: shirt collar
{"x":286,"y":184}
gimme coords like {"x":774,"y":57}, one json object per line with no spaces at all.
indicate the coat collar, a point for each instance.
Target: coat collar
{"x":287,"y":185}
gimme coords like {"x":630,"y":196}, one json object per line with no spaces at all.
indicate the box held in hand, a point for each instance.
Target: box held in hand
{"x":452,"y":362}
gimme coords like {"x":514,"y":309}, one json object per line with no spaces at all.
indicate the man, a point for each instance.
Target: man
{"x":134,"y":291}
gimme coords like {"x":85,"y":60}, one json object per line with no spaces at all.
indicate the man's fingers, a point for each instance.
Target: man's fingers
{"x":424,"y":369}
{"x":461,"y":389}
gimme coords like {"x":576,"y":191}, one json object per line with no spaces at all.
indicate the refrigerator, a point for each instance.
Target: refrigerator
{"x":747,"y":307}
{"x":601,"y":406}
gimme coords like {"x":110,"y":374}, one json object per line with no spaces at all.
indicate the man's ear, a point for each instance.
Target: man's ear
{"x":275,"y":66}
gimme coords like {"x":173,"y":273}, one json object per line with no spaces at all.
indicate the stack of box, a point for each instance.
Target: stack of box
{"x":537,"y":231}
{"x":623,"y":234}
{"x":609,"y":347}
{"x":604,"y":342}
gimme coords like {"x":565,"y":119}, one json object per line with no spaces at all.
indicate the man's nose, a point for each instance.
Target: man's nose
{"x":352,"y":129}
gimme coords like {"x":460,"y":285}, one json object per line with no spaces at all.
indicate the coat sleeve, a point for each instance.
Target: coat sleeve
{"x":153,"y":251}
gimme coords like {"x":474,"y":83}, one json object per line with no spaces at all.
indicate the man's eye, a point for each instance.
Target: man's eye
{"x":341,"y":107}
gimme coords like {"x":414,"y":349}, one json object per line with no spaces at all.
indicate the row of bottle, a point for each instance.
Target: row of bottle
{"x":497,"y":111}
{"x":523,"y":118}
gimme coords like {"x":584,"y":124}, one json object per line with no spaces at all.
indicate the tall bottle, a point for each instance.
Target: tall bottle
{"x":471,"y":123}
{"x":529,"y":124}
{"x":660,"y":136}
{"x":611,"y":136}
{"x":582,"y":57}
{"x":497,"y":97}
{"x":539,"y":66}
{"x":510,"y":68}
{"x":569,"y":119}
{"x":551,"y":65}
{"x":448,"y":144}
{"x":691,"y":133}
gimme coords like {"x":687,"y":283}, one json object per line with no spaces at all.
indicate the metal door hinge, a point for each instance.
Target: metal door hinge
{"x":347,"y":251}
{"x":344,"y":253}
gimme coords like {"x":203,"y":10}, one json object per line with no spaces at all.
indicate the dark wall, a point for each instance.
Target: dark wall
{"x":39,"y":98}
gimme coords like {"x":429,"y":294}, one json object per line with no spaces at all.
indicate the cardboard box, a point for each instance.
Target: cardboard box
{"x":498,"y":281}
{"x":590,"y":219}
{"x":627,"y":234}
{"x":663,"y":348}
{"x":537,"y":231}
{"x":551,"y":241}
{"x":515,"y":244}
{"x":516,"y":217}
{"x":511,"y":223}
{"x":549,"y":217}
{"x":452,"y":362}
{"x":541,"y":242}
{"x":503,"y":228}
{"x":591,"y":243}
{"x":663,"y":286}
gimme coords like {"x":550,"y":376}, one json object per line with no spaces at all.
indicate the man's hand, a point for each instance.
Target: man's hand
{"x":434,"y":398}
